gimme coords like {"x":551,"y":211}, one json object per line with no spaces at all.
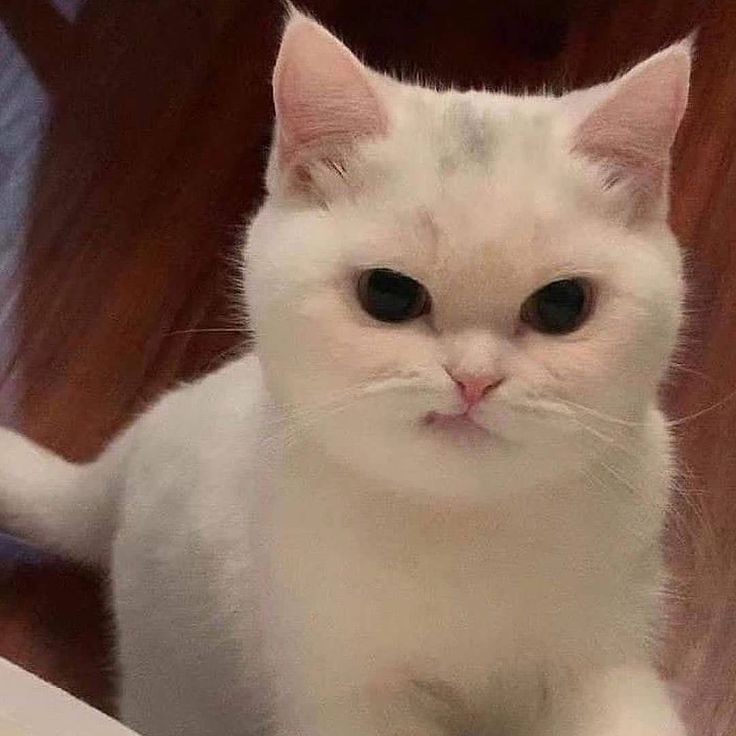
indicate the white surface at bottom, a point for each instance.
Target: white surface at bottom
{"x":31,"y":707}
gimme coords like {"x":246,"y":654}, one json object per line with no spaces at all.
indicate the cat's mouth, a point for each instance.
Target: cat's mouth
{"x":461,"y":423}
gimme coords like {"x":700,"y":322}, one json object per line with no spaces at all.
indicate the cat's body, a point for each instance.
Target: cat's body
{"x":297,"y":543}
{"x":498,"y":607}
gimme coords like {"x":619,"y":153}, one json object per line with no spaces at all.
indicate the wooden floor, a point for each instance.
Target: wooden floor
{"x":132,"y":141}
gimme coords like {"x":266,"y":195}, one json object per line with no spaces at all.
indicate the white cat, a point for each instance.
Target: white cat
{"x":431,"y":501}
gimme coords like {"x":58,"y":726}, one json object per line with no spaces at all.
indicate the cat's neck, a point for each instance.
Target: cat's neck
{"x":320,"y":487}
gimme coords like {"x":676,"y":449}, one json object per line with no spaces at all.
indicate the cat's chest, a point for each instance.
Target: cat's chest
{"x":361,"y":578}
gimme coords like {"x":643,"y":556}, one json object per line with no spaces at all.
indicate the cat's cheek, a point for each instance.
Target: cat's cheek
{"x":606,"y":373}
{"x":356,"y":348}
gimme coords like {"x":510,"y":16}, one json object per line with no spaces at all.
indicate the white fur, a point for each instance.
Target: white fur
{"x":294,"y":550}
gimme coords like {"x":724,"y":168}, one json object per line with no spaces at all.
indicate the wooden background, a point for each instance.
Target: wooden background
{"x":132,"y":142}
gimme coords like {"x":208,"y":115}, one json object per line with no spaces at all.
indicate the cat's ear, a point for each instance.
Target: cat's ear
{"x":325,"y":101}
{"x":630,"y":124}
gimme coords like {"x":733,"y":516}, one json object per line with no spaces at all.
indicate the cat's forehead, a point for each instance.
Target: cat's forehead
{"x":468,"y":176}
{"x":462,"y":129}
{"x":472,"y":154}
{"x":464,"y":134}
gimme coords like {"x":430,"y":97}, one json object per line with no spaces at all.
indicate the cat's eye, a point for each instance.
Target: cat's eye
{"x":390,"y":296}
{"x":559,"y":307}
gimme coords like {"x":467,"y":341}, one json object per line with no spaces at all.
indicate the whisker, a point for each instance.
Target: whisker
{"x":612,"y":441}
{"x":600,"y":415}
{"x":617,"y":475}
{"x":692,"y":371}
{"x":676,"y":422}
{"x":242,"y":330}
{"x":297,"y":418}
{"x":701,"y":412}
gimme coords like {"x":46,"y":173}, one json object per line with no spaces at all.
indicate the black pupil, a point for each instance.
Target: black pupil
{"x":560,"y":306}
{"x":390,"y":296}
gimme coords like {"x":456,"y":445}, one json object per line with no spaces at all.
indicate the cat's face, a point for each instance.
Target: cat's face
{"x":399,"y":295}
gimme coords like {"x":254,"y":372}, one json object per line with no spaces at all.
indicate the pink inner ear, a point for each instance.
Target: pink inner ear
{"x":633,"y":128}
{"x":322,"y":94}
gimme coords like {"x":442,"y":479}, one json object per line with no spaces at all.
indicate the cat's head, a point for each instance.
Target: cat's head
{"x":448,"y":288}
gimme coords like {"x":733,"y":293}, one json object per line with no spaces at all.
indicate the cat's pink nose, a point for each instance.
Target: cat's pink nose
{"x":474,"y":386}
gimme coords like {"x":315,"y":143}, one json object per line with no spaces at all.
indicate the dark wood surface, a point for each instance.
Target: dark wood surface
{"x":136,"y":131}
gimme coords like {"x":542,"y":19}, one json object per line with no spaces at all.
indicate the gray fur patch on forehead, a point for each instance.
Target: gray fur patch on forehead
{"x":465,"y":136}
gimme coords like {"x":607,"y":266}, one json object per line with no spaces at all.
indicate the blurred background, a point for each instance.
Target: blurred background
{"x":133,"y":136}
